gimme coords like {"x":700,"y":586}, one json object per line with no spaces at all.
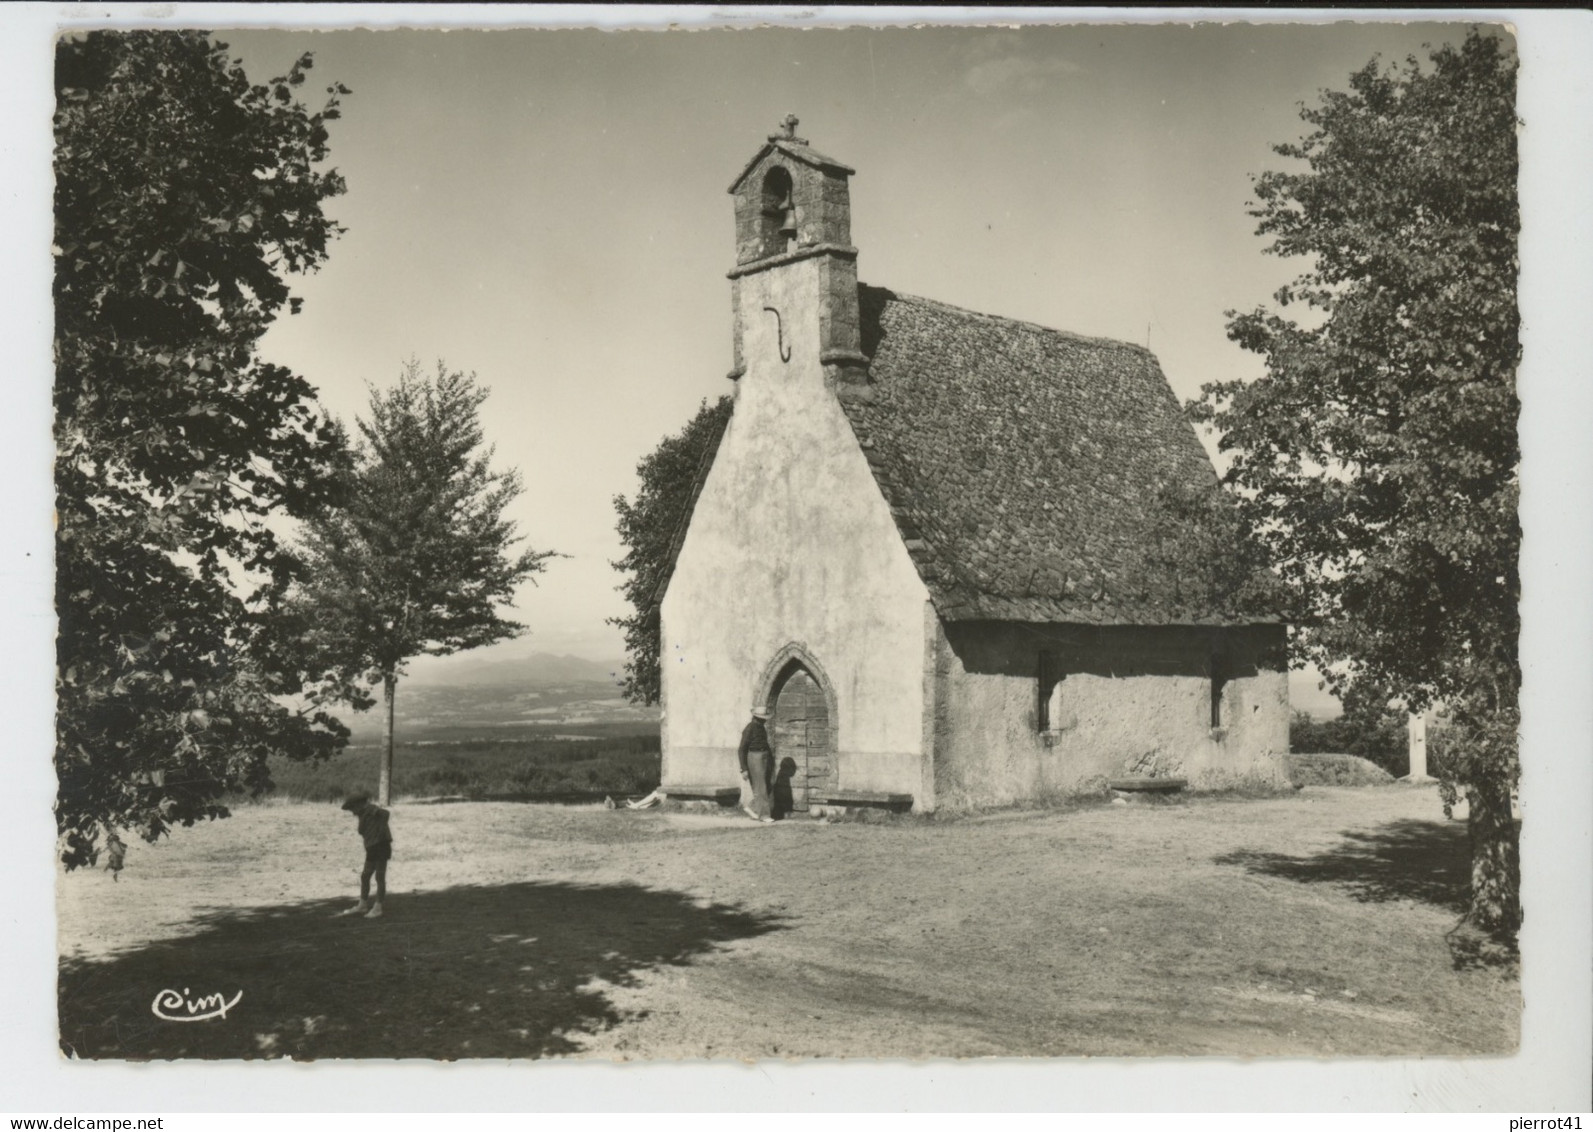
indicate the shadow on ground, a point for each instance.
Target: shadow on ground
{"x":1424,"y":861}
{"x":514,"y":970}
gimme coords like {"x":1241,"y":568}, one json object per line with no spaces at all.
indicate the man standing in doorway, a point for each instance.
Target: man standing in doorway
{"x":756,"y":755}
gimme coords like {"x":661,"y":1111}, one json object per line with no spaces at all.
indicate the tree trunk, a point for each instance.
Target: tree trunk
{"x":1495,"y":859}
{"x":384,"y":782}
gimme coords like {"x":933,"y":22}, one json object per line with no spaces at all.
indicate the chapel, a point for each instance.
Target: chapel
{"x":965,"y":561}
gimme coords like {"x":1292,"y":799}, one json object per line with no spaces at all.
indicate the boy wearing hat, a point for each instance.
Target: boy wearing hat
{"x":756,"y":755}
{"x":378,"y":839}
{"x":117,"y":848}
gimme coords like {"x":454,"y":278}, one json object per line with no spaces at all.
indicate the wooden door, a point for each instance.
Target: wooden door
{"x":801,"y":736}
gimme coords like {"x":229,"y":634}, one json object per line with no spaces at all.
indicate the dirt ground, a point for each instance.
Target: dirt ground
{"x":1310,"y":925}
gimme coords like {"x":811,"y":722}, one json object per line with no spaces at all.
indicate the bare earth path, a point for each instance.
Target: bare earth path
{"x":1309,"y":925}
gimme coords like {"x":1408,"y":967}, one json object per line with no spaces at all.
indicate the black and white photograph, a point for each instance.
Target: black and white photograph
{"x":774,"y":544}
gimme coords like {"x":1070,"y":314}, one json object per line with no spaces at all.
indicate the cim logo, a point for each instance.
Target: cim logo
{"x":173,"y":1007}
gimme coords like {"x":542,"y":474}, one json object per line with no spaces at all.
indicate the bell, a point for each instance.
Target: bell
{"x":786,"y":210}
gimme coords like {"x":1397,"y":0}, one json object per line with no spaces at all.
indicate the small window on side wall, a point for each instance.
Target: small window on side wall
{"x":1219,"y":684}
{"x":1047,"y":682}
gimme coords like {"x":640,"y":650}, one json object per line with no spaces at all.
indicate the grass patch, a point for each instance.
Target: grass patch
{"x":1336,"y":770}
{"x":481,"y":768}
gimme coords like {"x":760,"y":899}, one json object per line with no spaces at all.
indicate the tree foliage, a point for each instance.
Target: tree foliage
{"x":1200,"y":544}
{"x":1378,"y":455}
{"x":416,"y":556}
{"x":184,"y":194}
{"x":648,"y":527}
{"x":1368,"y":729}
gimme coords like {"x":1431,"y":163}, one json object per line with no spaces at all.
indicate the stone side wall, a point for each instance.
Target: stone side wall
{"x":1128,"y":701}
{"x":792,"y":542}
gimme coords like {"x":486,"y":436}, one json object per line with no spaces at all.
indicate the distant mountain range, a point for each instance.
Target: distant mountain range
{"x":508,"y":699}
{"x":1304,"y":695}
{"x":535,"y":671}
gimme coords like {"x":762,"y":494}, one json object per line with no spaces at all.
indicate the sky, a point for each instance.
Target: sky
{"x":548,"y":209}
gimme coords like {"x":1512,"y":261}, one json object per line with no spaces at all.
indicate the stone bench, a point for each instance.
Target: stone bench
{"x":1145,"y":784}
{"x":883,"y":798}
{"x":724,"y":795}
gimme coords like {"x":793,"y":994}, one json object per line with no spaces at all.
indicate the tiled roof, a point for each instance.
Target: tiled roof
{"x":1037,"y":475}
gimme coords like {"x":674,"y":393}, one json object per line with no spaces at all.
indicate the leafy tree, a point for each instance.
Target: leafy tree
{"x":1378,"y":455}
{"x":415,"y":558}
{"x":648,"y":528}
{"x":183,"y":196}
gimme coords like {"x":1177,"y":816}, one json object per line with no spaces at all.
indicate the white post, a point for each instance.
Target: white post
{"x":1418,"y":749}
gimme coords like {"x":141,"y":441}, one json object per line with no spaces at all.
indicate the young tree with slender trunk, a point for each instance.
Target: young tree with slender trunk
{"x":416,"y":557}
{"x":184,"y":195}
{"x":1378,"y":456}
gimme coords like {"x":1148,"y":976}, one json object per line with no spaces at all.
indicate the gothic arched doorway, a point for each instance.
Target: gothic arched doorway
{"x":802,"y":729}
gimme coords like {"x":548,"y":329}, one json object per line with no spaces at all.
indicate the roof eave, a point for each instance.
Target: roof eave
{"x":963,"y":611}
{"x":800,"y":153}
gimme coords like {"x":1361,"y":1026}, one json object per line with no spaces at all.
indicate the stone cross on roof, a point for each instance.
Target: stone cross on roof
{"x":788,"y":126}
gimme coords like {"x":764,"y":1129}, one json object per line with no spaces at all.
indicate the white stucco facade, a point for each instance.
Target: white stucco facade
{"x":792,"y":542}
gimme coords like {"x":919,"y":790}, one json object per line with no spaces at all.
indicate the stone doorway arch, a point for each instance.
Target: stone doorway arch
{"x":802,"y":727}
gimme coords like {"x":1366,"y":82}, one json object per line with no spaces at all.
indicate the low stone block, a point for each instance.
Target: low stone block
{"x":887,"y":799}
{"x":724,"y":795}
{"x":1145,"y":784}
